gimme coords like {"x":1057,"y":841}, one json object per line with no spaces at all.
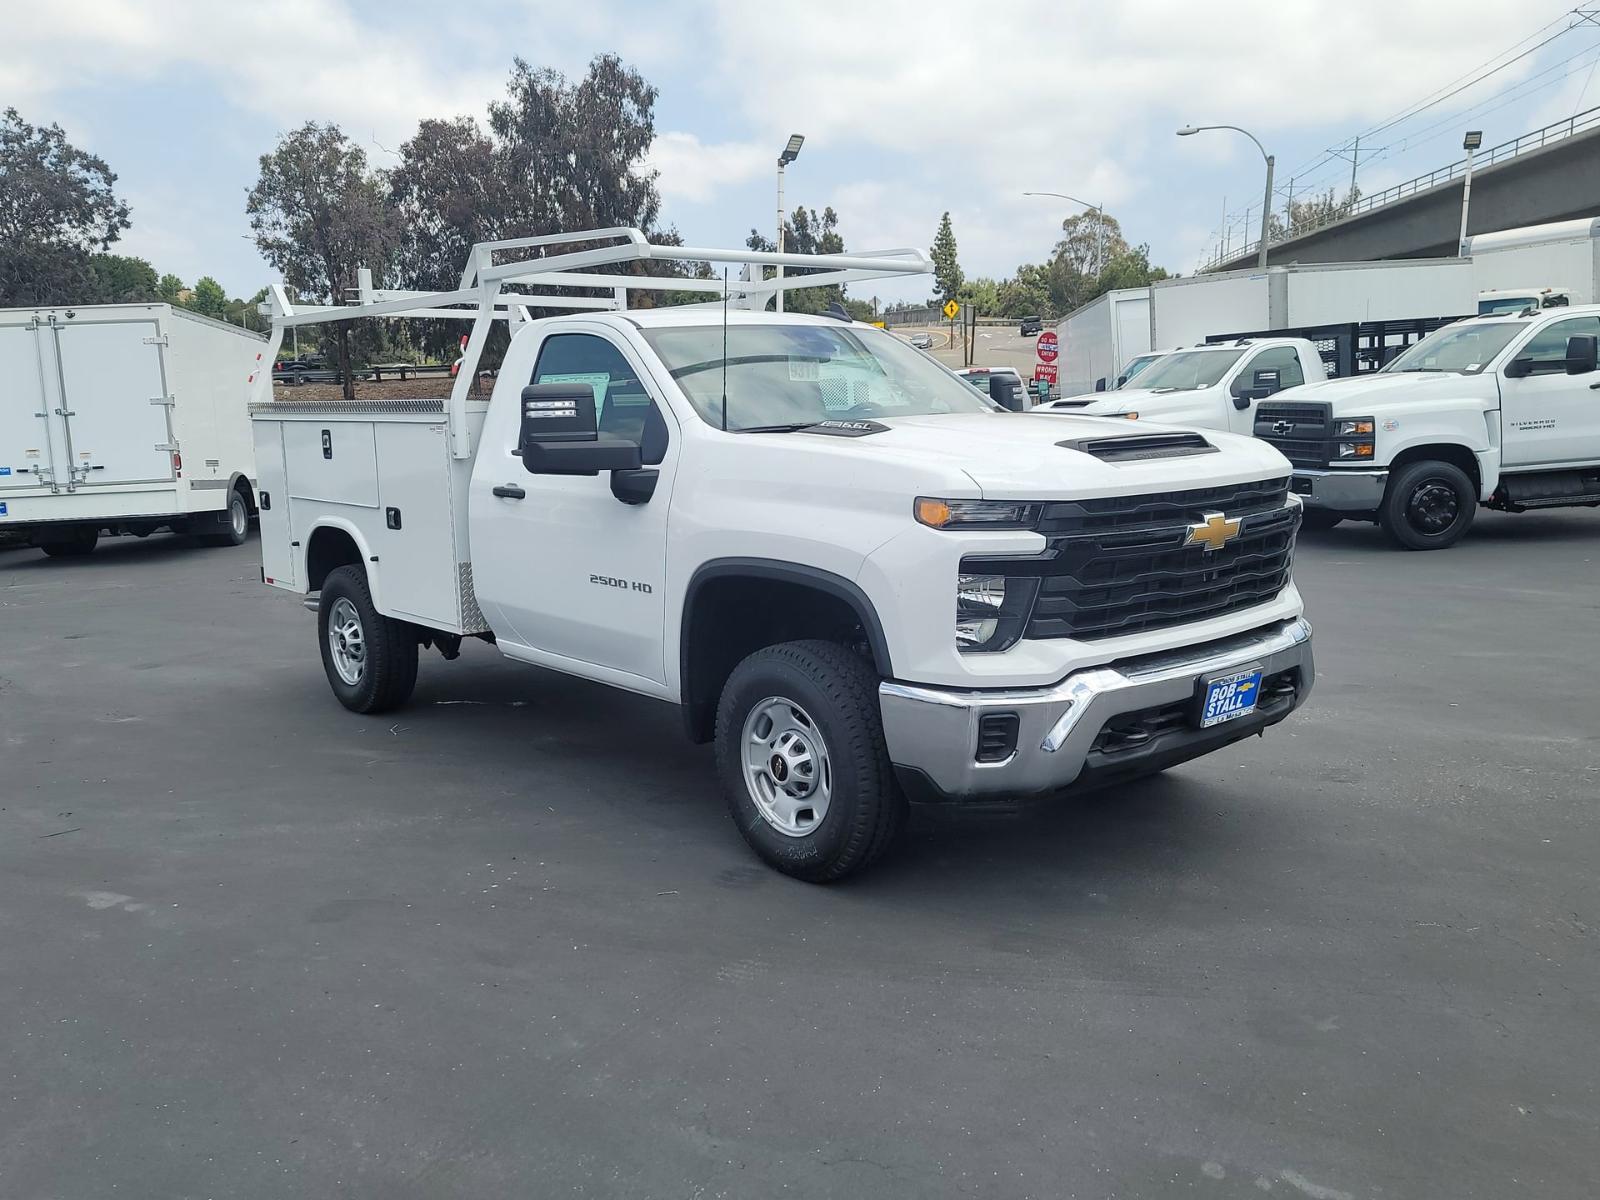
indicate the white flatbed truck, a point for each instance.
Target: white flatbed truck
{"x":125,"y":418}
{"x":861,"y":579}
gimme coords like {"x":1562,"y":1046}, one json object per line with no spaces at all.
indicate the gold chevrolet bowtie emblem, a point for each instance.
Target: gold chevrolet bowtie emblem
{"x":1215,"y":532}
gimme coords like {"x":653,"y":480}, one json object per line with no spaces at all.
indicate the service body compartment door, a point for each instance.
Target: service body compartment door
{"x":29,"y":431}
{"x":417,"y":545}
{"x":272,"y":496}
{"x":113,"y":391}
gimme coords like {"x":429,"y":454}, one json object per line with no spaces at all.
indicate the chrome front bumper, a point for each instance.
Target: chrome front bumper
{"x":932,"y":733}
{"x":1341,"y":491}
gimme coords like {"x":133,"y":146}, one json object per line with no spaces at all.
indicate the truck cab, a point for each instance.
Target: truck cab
{"x":1510,"y":301}
{"x":1206,"y":387}
{"x":854,"y":574}
{"x":1498,"y":411}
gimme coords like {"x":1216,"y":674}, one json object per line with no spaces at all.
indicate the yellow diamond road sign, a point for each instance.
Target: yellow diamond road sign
{"x":951,"y":308}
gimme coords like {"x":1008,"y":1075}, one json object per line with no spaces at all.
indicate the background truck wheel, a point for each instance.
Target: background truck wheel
{"x":234,"y":529}
{"x":370,"y":659}
{"x":74,"y":544}
{"x":1429,"y":505}
{"x":800,"y":751}
{"x":1318,"y":520}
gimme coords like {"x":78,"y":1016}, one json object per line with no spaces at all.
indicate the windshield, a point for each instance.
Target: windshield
{"x":1188,"y":370}
{"x":789,"y":376}
{"x":1467,"y":346}
{"x":1506,"y":304}
{"x":1136,"y":366}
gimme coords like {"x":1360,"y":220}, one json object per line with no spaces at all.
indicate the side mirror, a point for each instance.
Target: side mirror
{"x":1121,"y":379}
{"x":1100,"y":384}
{"x":1263,"y":384}
{"x":1582,"y":354}
{"x":1003,"y":391}
{"x":1519,"y":367}
{"x":559,"y":434}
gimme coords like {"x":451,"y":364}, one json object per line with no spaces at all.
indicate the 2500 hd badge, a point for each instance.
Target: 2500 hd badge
{"x":625,"y":584}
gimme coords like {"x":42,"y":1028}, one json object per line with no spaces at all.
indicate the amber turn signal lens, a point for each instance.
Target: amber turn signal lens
{"x":933,"y":512}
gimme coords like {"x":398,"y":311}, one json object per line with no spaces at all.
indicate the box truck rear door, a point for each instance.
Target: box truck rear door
{"x":31,"y":436}
{"x":114,"y":391}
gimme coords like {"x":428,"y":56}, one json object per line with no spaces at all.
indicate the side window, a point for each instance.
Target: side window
{"x":1548,"y":348}
{"x":1285,"y":360}
{"x":622,"y":405}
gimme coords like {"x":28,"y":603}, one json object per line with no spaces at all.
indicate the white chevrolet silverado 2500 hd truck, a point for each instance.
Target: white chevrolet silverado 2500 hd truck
{"x":1206,"y":387}
{"x":1501,"y":411}
{"x":851,"y":571}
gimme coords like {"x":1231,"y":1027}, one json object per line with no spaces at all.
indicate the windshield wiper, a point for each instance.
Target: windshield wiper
{"x":790,"y":428}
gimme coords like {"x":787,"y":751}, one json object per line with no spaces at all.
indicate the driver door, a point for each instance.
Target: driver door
{"x":563,"y":567}
{"x":1548,"y":417}
{"x":1285,"y":360}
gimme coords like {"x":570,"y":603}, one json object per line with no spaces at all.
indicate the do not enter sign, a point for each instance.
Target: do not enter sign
{"x":1047,"y":347}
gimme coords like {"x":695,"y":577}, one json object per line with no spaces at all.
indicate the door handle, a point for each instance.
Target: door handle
{"x":510,"y":491}
{"x":1593,"y":386}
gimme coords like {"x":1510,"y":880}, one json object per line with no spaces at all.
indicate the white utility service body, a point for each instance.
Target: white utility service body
{"x":902,"y":558}
{"x":1501,"y":411}
{"x":124,"y":417}
{"x":1206,"y":387}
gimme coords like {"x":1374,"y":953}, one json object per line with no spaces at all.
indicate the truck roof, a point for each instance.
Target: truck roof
{"x":704,"y":314}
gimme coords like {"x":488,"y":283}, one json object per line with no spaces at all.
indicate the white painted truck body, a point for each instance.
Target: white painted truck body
{"x":1099,"y":339}
{"x":1562,"y":255}
{"x":122,"y":416}
{"x":1497,"y":398}
{"x":1211,"y":387}
{"x":569,"y":572}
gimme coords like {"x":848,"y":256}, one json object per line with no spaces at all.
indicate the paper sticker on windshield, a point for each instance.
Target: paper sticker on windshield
{"x":804,"y":370}
{"x":1470,"y":367}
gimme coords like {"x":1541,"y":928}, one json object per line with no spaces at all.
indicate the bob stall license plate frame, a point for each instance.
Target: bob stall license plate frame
{"x":1227,"y":696}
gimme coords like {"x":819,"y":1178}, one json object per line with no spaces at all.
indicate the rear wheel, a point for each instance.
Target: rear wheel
{"x":74,"y":543}
{"x":801,"y":754}
{"x":1429,"y":505}
{"x":235,"y":527}
{"x":370,"y":659}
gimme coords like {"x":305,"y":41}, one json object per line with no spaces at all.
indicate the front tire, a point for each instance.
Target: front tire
{"x":1429,"y":505}
{"x":800,"y":750}
{"x":370,"y":659}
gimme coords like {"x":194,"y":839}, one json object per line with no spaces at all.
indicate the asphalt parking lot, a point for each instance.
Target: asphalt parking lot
{"x":507,"y":942}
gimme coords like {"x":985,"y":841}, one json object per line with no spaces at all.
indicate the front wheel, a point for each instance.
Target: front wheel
{"x":1428,"y":506}
{"x":800,"y":750}
{"x":75,"y":544}
{"x":370,"y":659}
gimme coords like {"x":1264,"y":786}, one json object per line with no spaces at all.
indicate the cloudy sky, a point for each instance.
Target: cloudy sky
{"x":908,"y":109}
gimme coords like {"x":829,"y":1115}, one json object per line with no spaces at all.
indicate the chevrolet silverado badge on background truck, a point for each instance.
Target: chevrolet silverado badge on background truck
{"x":851,"y":571}
{"x":1501,"y":410}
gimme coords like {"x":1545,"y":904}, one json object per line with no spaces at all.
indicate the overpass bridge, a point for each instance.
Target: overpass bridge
{"x":1551,"y":174}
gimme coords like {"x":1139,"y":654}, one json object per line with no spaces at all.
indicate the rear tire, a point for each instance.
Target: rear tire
{"x":77,"y":543}
{"x":1429,"y":505}
{"x":370,"y":659}
{"x":800,"y":750}
{"x":235,"y":524}
{"x":1319,"y":520}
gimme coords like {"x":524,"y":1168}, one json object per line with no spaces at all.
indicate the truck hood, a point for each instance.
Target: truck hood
{"x":1133,"y":400}
{"x":1379,"y":392}
{"x":1020,"y":456}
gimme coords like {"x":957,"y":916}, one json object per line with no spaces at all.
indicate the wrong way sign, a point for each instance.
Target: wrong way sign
{"x":1046,"y":372}
{"x":1047,"y":347}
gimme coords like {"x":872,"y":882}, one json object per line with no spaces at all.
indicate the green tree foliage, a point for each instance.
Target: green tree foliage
{"x":946,"y":265}
{"x":169,"y":286}
{"x":319,"y":215}
{"x":806,"y":232}
{"x":210,"y":300}
{"x":981,"y":294}
{"x":120,"y":279}
{"x":57,"y":209}
{"x":1092,"y":258}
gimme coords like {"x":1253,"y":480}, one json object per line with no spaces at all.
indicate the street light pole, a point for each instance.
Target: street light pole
{"x":1266,"y":202}
{"x":790,"y":153}
{"x":1471,"y":142}
{"x":1100,"y":224}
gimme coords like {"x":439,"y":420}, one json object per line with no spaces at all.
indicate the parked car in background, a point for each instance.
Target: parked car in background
{"x":1135,"y":365}
{"x":1031,"y":326}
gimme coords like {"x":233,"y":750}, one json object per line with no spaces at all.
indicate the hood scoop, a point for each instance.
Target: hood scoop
{"x":1140,"y":447}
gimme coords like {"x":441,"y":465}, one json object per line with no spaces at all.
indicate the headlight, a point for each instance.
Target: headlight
{"x":975,"y":514}
{"x":1359,"y":432}
{"x":991,"y":610}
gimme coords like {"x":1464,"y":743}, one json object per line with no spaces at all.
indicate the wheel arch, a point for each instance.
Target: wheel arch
{"x":241,"y":483}
{"x":1458,"y":454}
{"x":332,"y":543}
{"x":751,"y":603}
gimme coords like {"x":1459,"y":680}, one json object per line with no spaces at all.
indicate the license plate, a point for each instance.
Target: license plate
{"x":1229,"y":697}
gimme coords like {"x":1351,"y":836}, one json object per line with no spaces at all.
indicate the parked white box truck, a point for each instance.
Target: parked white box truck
{"x":124,"y":418}
{"x":1100,"y":339}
